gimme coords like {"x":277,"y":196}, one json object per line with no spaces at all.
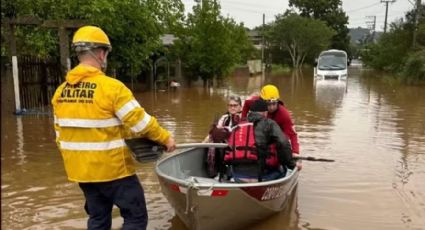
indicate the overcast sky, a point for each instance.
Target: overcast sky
{"x":250,"y":11}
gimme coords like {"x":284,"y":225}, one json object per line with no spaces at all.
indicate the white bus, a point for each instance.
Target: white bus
{"x":331,"y":64}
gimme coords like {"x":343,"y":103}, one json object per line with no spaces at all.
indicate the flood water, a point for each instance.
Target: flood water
{"x":374,"y":130}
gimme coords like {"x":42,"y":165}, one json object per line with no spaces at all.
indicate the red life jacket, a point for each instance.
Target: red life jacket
{"x":242,"y":146}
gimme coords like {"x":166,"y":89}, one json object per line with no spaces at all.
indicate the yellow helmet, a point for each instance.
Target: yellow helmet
{"x":269,"y":92}
{"x":90,"y":37}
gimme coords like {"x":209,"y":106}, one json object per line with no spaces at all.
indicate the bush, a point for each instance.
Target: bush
{"x":414,"y":68}
{"x":279,"y":69}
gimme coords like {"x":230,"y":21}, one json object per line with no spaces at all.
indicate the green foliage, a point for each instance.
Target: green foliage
{"x":331,"y":12}
{"x":277,"y":69}
{"x":37,"y":42}
{"x":394,"y":51}
{"x":391,"y":50}
{"x":211,"y":44}
{"x":420,"y":38}
{"x":414,"y":69}
{"x":240,"y":44}
{"x":355,"y":50}
{"x":301,"y":37}
{"x":133,"y":26}
{"x":421,"y":35}
{"x":134,"y":32}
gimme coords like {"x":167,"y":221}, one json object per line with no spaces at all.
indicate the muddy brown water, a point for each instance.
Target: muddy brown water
{"x":375,"y":131}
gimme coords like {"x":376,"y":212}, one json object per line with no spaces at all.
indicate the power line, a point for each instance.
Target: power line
{"x":413,"y":4}
{"x":246,"y":7}
{"x":244,"y":3}
{"x":380,"y":15}
{"x":364,"y":7}
{"x":246,"y":10}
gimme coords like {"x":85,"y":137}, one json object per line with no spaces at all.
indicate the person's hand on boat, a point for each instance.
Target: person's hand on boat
{"x":299,"y":163}
{"x":170,"y":144}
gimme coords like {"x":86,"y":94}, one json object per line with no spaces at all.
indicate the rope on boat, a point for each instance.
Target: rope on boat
{"x":193,"y":185}
{"x":208,"y":190}
{"x":190,"y":186}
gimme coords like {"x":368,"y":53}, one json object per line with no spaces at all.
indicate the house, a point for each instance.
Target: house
{"x":256,"y":38}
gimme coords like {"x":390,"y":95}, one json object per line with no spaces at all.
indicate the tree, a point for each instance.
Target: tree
{"x":394,"y":52}
{"x":331,"y":12}
{"x":299,"y":36}
{"x":211,"y":44}
{"x":389,"y":53}
{"x":133,"y":26}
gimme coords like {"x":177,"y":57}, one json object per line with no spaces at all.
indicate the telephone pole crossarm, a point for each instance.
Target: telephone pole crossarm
{"x":386,"y":12}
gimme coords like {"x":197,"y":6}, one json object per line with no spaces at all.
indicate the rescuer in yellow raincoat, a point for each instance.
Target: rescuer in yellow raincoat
{"x":93,"y":114}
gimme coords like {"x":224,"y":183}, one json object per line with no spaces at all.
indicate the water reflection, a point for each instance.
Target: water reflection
{"x":375,"y":131}
{"x":401,"y":114}
{"x":329,"y":93}
{"x":20,"y":141}
{"x":286,"y":219}
{"x":34,"y":187}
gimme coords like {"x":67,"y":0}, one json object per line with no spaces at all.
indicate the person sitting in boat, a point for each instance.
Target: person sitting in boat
{"x":233,"y":115}
{"x":219,"y":134}
{"x":258,"y":148}
{"x":277,"y":111}
{"x":226,"y":121}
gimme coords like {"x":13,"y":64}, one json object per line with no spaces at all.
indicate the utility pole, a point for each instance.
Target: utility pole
{"x":199,"y":1}
{"x":415,"y":23}
{"x":262,"y":43}
{"x":371,"y":24}
{"x":386,"y":12}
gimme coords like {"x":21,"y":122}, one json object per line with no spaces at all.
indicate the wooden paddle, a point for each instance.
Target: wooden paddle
{"x":145,"y":150}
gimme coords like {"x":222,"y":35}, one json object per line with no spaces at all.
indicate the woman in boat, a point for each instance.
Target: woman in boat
{"x":227,"y":121}
{"x":233,"y":115}
{"x":220,"y":132}
{"x":258,"y":148}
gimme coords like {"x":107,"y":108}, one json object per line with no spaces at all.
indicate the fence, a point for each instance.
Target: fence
{"x":38,"y":80}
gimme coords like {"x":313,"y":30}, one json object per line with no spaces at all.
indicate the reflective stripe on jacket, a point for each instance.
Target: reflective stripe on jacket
{"x":93,"y":114}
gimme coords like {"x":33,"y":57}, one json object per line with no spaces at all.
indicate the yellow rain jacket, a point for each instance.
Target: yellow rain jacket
{"x":93,"y":114}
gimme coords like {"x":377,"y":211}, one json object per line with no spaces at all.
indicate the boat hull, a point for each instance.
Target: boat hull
{"x":204,"y":203}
